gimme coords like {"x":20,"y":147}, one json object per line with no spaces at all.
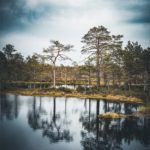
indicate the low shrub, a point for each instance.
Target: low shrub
{"x":63,"y":89}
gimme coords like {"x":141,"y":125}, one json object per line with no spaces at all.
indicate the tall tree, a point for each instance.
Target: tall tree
{"x":56,"y":51}
{"x":14,"y":62}
{"x":89,"y":68}
{"x":97,"y":42}
{"x":9,"y":51}
{"x":146,"y":63}
{"x":112,"y":61}
{"x":132,"y":61}
{"x":32,"y":66}
{"x":17,"y":66}
{"x":3,"y":66}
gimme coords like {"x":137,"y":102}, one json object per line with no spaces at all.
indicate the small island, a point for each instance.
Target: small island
{"x":109,"y":71}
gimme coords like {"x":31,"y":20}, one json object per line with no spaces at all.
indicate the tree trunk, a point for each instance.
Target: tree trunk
{"x":89,"y":80}
{"x":113,"y":79}
{"x":98,"y":70}
{"x":126,"y":86}
{"x":108,"y":84}
{"x":54,"y":76}
{"x":66,"y":77}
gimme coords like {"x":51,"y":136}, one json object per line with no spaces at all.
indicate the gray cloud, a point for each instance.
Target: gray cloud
{"x":16,"y":15}
{"x":141,"y":11}
{"x":144,"y":17}
{"x":38,"y":21}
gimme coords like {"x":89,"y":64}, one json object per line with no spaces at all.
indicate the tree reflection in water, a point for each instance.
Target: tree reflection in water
{"x":57,"y":120}
{"x":54,"y":127}
{"x":113,"y":133}
{"x":8,"y":107}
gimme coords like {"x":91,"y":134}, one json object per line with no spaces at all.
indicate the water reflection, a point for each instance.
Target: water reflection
{"x":8,"y":107}
{"x":64,"y":121}
{"x":53,"y":126}
{"x":112,"y":134}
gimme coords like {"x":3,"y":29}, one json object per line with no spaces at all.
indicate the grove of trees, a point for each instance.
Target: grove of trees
{"x":107,"y":63}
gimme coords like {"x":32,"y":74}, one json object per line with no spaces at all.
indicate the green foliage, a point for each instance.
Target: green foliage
{"x":99,"y":44}
{"x":9,"y":51}
{"x":146,"y":59}
{"x":132,"y":58}
{"x":3,"y":65}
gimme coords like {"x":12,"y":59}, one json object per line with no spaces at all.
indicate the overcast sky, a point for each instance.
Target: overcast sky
{"x":30,"y":24}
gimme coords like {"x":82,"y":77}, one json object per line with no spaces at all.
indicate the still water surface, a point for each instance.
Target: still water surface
{"x":49,"y":123}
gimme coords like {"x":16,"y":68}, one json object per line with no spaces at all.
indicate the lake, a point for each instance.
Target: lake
{"x":59,"y":123}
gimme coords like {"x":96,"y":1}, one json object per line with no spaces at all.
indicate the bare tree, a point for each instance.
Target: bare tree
{"x":56,"y":51}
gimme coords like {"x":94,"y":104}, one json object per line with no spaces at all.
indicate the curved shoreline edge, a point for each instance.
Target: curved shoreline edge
{"x":107,"y":97}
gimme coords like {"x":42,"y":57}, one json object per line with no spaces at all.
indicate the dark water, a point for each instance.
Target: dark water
{"x":48,"y":123}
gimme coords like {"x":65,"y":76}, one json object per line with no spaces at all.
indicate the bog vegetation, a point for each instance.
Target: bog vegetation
{"x":108,"y":66}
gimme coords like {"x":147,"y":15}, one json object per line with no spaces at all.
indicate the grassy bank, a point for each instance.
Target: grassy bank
{"x":145,"y":110}
{"x":112,"y":115}
{"x":72,"y":93}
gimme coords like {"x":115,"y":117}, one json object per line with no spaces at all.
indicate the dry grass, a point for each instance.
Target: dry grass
{"x":108,"y":97}
{"x":111,"y":115}
{"x":145,"y":110}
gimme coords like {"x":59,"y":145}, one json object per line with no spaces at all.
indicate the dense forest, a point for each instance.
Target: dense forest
{"x":108,"y":63}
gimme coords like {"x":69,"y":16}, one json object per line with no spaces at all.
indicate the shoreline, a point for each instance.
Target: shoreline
{"x":107,"y":97}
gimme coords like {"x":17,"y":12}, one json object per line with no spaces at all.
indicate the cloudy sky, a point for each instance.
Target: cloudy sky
{"x":30,"y":24}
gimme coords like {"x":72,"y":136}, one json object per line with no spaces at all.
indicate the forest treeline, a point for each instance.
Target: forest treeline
{"x":107,"y":63}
